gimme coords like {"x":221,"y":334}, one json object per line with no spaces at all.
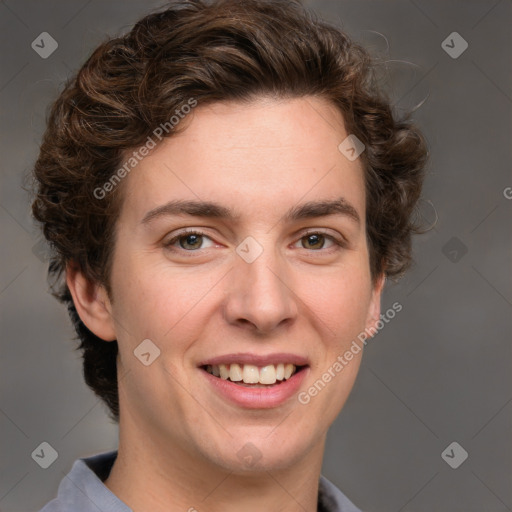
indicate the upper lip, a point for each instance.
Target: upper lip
{"x":256,"y":359}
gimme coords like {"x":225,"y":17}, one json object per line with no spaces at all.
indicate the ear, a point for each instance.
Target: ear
{"x":374,"y":309}
{"x":92,"y":303}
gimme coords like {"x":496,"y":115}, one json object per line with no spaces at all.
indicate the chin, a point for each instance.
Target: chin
{"x":249,"y":453}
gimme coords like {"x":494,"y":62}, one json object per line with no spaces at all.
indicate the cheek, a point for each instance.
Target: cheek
{"x":340,"y":301}
{"x":153,"y":300}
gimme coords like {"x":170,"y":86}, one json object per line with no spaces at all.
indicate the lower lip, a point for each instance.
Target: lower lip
{"x":257,"y":398}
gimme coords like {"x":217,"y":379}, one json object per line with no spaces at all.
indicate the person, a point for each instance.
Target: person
{"x":225,"y":190}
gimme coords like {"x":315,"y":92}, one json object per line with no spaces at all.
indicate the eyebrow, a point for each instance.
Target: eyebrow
{"x":311,"y":209}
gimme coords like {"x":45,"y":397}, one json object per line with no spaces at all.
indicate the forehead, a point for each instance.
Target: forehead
{"x":253,"y":157}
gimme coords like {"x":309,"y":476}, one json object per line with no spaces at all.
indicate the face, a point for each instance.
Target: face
{"x":272,"y":272}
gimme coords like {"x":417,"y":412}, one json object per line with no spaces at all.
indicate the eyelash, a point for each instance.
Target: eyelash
{"x":168,"y":245}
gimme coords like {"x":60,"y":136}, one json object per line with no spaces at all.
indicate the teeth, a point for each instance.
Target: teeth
{"x":288,"y":370}
{"x":224,"y":371}
{"x":235,"y":373}
{"x":268,"y":374}
{"x":251,"y":374}
{"x":280,"y":371}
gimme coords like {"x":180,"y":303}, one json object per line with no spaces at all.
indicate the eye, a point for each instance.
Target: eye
{"x":315,"y":240}
{"x":188,"y":241}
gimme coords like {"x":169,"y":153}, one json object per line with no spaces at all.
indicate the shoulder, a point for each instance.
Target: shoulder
{"x":331,"y":499}
{"x":82,"y":489}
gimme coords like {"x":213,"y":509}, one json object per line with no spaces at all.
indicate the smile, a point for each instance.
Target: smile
{"x":252,"y":375}
{"x":255,"y":381}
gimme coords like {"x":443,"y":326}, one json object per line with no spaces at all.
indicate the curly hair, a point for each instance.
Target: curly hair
{"x":210,"y":51}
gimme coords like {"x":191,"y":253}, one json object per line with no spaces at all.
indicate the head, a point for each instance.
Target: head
{"x":242,"y":107}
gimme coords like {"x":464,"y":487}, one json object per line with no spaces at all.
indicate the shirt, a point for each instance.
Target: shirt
{"x":83,"y":490}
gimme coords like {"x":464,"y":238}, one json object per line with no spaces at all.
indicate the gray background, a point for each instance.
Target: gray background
{"x":438,"y":373}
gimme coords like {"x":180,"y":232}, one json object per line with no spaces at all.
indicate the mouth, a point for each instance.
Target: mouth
{"x":253,"y":376}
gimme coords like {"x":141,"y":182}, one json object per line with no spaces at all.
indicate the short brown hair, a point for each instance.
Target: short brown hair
{"x":224,"y":50}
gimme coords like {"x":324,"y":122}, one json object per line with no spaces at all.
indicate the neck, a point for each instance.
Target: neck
{"x":146,"y":476}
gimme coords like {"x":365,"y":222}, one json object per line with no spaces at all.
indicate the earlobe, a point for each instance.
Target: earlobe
{"x":92,"y":303}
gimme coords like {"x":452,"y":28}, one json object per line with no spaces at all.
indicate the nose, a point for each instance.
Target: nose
{"x":261,"y":297}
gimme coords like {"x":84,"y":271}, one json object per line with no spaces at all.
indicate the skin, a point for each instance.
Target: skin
{"x":178,"y":438}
